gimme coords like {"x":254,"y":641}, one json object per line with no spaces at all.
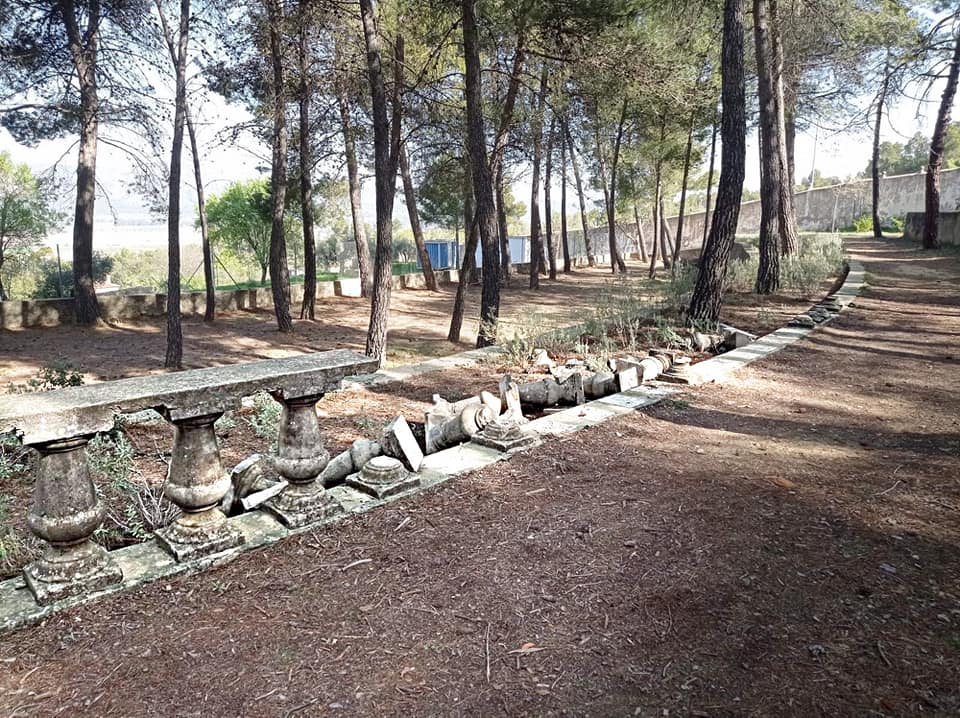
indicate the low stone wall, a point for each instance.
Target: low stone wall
{"x":949,"y":227}
{"x":27,"y":313}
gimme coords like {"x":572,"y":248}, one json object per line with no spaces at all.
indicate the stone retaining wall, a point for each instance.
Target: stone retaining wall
{"x":23,"y":314}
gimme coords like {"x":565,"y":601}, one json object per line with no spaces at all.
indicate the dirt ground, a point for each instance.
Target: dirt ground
{"x":419,"y":321}
{"x":783,"y":545}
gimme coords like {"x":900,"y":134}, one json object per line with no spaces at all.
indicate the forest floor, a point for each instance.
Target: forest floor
{"x":419,"y":321}
{"x":784,"y":544}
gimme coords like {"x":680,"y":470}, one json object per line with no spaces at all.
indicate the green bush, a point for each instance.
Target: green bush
{"x":265,"y":418}
{"x":55,"y":375}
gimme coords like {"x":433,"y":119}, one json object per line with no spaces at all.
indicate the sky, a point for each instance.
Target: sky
{"x":122,"y":220}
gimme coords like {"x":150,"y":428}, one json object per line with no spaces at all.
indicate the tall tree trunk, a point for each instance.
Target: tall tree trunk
{"x":482,"y":180}
{"x":174,"y":355}
{"x":279,"y":271}
{"x":666,"y":246}
{"x":641,"y":250}
{"x":931,"y":215}
{"x":875,"y":169}
{"x":656,"y":210}
{"x":706,"y":208}
{"x":386,"y":145}
{"x":306,"y":185}
{"x":707,"y":296}
{"x":469,"y":260}
{"x":209,"y":283}
{"x":789,"y":236}
{"x":578,"y":180}
{"x":84,"y":47}
{"x":771,"y":176}
{"x":410,"y":195}
{"x":564,"y":239}
{"x":547,"y":201}
{"x":616,"y":260}
{"x":500,"y":144}
{"x":683,"y":191}
{"x":353,"y":180}
{"x":502,"y":228}
{"x":536,"y":127}
{"x":655,"y":222}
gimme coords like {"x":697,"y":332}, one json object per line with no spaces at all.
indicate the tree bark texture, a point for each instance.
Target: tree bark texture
{"x":410,"y":196}
{"x":279,"y":271}
{"x":707,"y":296}
{"x":307,"y":307}
{"x":536,"y":127}
{"x":931,"y":214}
{"x":174,"y":354}
{"x":875,"y":169}
{"x":564,"y":239}
{"x":84,"y":47}
{"x":713,"y":155}
{"x":469,"y":260}
{"x":353,"y":180}
{"x":771,"y":176}
{"x":500,"y":144}
{"x":641,"y":250}
{"x":578,"y":180}
{"x":547,"y":201}
{"x":482,"y":180}
{"x":683,"y":191}
{"x":616,"y":259}
{"x":386,"y":142}
{"x":789,"y":236}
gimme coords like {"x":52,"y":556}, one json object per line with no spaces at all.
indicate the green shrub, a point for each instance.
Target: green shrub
{"x":110,"y":455}
{"x":55,"y":375}
{"x":265,"y":418}
{"x":742,"y":276}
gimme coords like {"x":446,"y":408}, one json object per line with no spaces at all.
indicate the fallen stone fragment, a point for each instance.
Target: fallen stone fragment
{"x":506,"y":435}
{"x":549,"y":392}
{"x":447,"y":424}
{"x":398,"y":441}
{"x":510,"y":398}
{"x":600,"y":384}
{"x":349,"y":461}
{"x":383,"y":476}
{"x":701,"y":342}
{"x":802,"y":320}
{"x":628,"y":378}
{"x":252,"y":477}
{"x":734,"y":338}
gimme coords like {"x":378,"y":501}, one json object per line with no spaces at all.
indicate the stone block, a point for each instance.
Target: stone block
{"x":628,"y":378}
{"x":399,"y":442}
{"x":383,"y":476}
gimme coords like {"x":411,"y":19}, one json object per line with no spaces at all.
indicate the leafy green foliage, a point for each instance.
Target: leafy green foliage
{"x":54,"y":375}
{"x":265,"y":417}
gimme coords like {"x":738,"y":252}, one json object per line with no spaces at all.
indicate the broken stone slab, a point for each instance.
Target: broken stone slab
{"x":664,"y":356}
{"x":549,"y":392}
{"x":494,"y":403}
{"x":734,"y":338}
{"x":506,"y":435}
{"x":628,"y":378}
{"x":252,"y":476}
{"x":679,"y":371}
{"x":510,"y":399}
{"x":399,"y":442}
{"x":650,"y":368}
{"x":802,"y":320}
{"x":445,"y":429}
{"x":600,"y":385}
{"x":383,"y":476}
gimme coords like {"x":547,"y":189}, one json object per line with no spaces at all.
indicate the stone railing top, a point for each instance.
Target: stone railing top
{"x":82,"y":410}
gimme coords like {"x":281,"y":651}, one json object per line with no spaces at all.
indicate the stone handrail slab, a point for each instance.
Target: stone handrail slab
{"x":75,"y":411}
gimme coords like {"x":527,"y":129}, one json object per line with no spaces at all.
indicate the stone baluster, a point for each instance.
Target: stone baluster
{"x":300,"y":460}
{"x":65,"y":513}
{"x":197,"y":483}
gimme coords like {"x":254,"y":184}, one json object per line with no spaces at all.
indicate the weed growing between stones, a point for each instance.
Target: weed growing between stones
{"x":265,"y":417}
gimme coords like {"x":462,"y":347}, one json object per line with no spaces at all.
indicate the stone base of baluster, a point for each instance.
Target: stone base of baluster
{"x":300,"y":505}
{"x":66,"y":571}
{"x":193,"y":535}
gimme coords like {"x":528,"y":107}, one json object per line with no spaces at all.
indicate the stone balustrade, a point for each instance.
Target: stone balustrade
{"x":67,"y":511}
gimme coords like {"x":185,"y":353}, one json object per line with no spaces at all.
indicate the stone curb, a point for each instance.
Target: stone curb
{"x":720,"y":367}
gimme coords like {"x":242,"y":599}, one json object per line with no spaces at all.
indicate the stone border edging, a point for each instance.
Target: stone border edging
{"x":720,"y":367}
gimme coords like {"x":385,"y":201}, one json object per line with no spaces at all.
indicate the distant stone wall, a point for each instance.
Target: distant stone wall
{"x":949,"y":227}
{"x":23,"y":314}
{"x":828,"y":209}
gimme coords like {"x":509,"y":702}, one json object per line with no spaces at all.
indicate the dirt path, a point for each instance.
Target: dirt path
{"x":784,"y":546}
